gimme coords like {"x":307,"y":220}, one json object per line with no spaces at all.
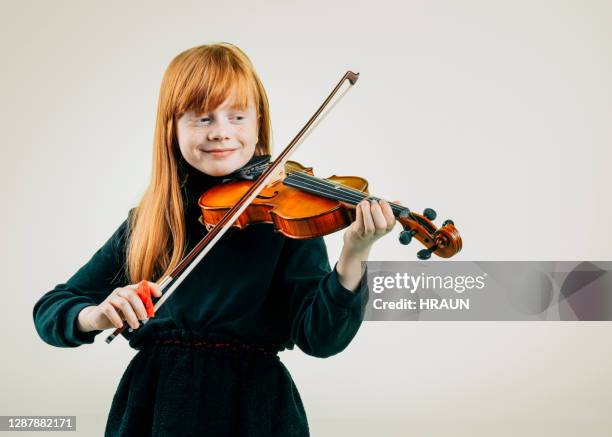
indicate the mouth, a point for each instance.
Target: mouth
{"x":219,"y":152}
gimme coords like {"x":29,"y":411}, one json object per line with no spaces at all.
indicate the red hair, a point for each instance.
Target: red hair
{"x":198,"y":79}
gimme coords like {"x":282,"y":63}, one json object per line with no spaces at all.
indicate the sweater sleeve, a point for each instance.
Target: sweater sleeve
{"x":55,"y":313}
{"x":324,"y":316}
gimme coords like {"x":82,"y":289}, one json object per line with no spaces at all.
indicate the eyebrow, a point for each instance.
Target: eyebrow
{"x":229,"y":108}
{"x":238,"y":108}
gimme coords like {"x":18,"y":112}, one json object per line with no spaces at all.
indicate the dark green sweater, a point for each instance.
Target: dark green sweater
{"x":255,"y":286}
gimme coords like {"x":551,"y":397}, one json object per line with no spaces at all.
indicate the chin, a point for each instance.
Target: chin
{"x":221,"y":168}
{"x":218,"y":173}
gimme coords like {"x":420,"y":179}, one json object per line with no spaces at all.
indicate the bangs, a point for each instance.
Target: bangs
{"x":205,"y":87}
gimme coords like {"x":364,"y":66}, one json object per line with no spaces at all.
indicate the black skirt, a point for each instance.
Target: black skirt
{"x":179,"y":384}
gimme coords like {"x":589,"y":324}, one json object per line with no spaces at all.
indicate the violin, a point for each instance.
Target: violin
{"x":301,"y":206}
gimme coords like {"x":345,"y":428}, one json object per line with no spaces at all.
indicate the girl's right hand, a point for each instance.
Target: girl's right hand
{"x":122,"y":304}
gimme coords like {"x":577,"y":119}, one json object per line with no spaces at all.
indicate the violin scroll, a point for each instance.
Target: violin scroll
{"x":444,"y":242}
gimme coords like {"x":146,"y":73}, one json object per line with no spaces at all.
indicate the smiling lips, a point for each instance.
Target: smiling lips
{"x":219,"y":152}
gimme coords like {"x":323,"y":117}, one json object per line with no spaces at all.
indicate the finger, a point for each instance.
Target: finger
{"x":380,"y":222}
{"x":123,"y":305}
{"x":111,"y":314}
{"x":358,"y":220}
{"x":388,"y":213}
{"x":135,"y":301}
{"x":368,"y":222}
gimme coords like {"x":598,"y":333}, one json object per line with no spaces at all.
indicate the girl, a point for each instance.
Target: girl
{"x":207,"y":363}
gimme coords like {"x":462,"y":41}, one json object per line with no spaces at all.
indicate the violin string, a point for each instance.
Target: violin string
{"x":349,"y":194}
{"x":361,"y":195}
{"x":308,"y":182}
{"x":358,"y":195}
{"x":318,"y":188}
{"x":322,"y":187}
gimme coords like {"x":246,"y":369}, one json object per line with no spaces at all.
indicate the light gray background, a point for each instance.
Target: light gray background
{"x":496,"y":114}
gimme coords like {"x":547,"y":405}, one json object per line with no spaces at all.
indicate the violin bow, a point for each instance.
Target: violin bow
{"x":188,"y":263}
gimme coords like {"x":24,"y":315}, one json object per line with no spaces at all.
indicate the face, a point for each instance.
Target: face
{"x":219,"y":142}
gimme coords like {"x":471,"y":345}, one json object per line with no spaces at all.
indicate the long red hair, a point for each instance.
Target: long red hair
{"x":198,"y":79}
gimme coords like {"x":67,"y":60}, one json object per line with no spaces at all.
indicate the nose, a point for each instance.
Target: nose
{"x":218,"y":131}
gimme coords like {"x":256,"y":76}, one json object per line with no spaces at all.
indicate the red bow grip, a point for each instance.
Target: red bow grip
{"x":144,"y":293}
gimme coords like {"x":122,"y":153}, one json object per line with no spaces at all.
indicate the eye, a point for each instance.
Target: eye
{"x":204,"y":120}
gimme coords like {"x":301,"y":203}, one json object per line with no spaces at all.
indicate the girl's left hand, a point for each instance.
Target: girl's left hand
{"x":372,"y":221}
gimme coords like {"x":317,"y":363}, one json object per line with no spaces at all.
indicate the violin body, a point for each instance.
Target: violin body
{"x":293,"y":212}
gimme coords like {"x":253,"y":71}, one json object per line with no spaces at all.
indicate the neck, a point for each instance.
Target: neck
{"x":330,"y":190}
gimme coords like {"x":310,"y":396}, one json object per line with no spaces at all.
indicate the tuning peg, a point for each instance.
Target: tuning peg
{"x":448,"y":222}
{"x":426,"y":253}
{"x":430,"y":214}
{"x":406,"y":236}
